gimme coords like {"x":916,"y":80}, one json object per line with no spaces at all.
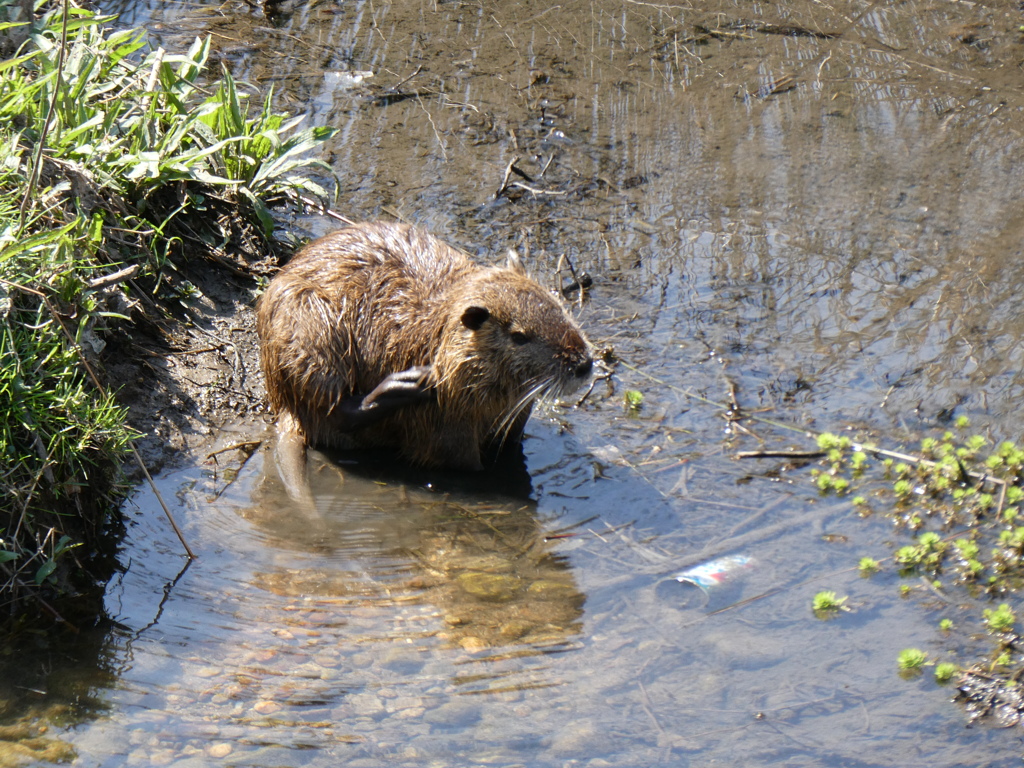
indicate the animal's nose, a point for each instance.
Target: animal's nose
{"x":584,"y":368}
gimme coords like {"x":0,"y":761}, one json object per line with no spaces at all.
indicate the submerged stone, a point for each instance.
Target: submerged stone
{"x":496,"y":587}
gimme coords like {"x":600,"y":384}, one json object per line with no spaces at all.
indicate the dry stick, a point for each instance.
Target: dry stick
{"x":160,"y":498}
{"x":394,"y":88}
{"x":645,"y":703}
{"x":115,"y":277}
{"x":537,"y":191}
{"x":507,"y":176}
{"x":41,"y":141}
{"x":103,"y":393}
{"x":317,"y":206}
{"x":780,"y":454}
{"x":239,"y":446}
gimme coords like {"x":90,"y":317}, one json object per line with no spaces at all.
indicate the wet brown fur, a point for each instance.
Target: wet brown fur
{"x":374,"y":299}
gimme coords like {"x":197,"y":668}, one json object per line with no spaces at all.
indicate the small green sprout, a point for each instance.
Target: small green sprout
{"x":908,"y":556}
{"x":902,"y":488}
{"x":858,"y":462}
{"x":962,"y":422}
{"x":912,"y":659}
{"x":827,"y":442}
{"x":946,"y":625}
{"x":869,"y":566}
{"x":1000,"y":619}
{"x":826,"y":602}
{"x":634,"y":399}
{"x":975,"y":443}
{"x":944,"y":672}
{"x":968,"y":549}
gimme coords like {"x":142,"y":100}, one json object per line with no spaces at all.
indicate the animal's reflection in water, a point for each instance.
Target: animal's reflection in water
{"x":480,"y":558}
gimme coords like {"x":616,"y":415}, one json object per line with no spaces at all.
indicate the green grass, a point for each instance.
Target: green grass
{"x":111,"y":155}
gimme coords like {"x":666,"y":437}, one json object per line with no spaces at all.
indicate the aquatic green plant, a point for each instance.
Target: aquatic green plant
{"x":962,"y":509}
{"x":911,"y":659}
{"x":827,"y":602}
{"x":634,"y":399}
{"x":944,"y":672}
{"x":1000,"y":619}
{"x":869,"y":566}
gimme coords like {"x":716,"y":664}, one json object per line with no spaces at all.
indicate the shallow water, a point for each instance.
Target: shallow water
{"x":841,"y":249}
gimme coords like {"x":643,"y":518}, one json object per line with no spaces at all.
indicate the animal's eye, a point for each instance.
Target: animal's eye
{"x":519,"y":338}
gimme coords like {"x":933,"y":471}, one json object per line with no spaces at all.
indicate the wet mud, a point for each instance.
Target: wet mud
{"x":807,"y":212}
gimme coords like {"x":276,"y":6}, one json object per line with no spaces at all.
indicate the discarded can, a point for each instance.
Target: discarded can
{"x":714,"y":572}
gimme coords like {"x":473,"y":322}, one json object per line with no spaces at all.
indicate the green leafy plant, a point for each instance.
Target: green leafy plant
{"x":911,"y":659}
{"x":827,"y":603}
{"x":962,"y":508}
{"x":869,"y":566}
{"x":1000,"y":619}
{"x":944,"y":672}
{"x":112,"y":156}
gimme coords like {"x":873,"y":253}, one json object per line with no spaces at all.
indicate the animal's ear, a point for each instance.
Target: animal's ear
{"x":474,"y":317}
{"x":514,"y":263}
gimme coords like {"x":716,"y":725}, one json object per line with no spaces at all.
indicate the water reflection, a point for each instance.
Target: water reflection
{"x":483,"y":562}
{"x":365,"y":623}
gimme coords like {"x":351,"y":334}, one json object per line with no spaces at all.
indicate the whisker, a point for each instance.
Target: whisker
{"x":503,"y":426}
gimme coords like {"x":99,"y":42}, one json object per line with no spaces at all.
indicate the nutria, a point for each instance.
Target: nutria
{"x":382,"y":335}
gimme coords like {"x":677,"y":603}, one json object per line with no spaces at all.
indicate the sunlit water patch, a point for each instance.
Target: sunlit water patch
{"x":432,"y":623}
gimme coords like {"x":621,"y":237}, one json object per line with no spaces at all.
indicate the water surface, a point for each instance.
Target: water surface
{"x":808,"y":209}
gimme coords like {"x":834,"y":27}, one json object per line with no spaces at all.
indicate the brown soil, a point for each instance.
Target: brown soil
{"x":196,"y":368}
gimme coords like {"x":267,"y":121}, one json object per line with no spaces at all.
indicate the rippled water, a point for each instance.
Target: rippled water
{"x":455,"y":626}
{"x":823,"y":224}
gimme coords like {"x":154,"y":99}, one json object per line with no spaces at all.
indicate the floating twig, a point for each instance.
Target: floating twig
{"x":780,"y":455}
{"x":235,"y":446}
{"x":394,"y":88}
{"x":506,"y":177}
{"x":536,"y":191}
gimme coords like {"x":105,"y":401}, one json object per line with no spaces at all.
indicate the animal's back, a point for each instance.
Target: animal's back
{"x":331,"y":324}
{"x":369,"y":301}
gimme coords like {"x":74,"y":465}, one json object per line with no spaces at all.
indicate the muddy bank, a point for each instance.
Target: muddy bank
{"x":107,"y":206}
{"x":185,"y":379}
